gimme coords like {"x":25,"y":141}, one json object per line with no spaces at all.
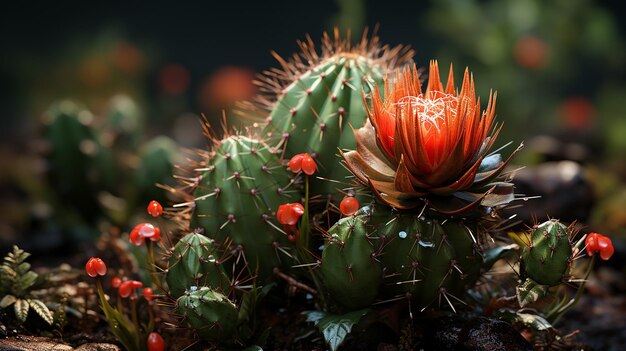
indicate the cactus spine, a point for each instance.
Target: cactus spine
{"x":242,"y":183}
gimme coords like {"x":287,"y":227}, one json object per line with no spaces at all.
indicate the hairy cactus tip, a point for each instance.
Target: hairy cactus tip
{"x":424,"y":144}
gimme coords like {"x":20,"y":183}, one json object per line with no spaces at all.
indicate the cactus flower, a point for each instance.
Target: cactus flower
{"x":303,"y":162}
{"x":155,"y":209}
{"x":599,"y":243}
{"x":95,"y":267}
{"x":422,"y":144}
{"x":155,"y":342}
{"x":127,"y":287}
{"x":144,"y":231}
{"x":289,"y":214}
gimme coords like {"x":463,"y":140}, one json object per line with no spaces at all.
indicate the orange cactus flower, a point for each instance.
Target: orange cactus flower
{"x":421,"y":144}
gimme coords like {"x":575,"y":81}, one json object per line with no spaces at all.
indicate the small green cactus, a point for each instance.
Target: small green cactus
{"x":158,"y":157}
{"x":211,"y":314}
{"x":547,"y":258}
{"x":194,"y":262}
{"x":79,"y":163}
{"x":350,"y":269}
{"x":241,"y":185}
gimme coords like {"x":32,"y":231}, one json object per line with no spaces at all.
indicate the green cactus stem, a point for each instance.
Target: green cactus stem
{"x":211,"y":314}
{"x":350,"y":270}
{"x":547,"y":258}
{"x":242,"y":184}
{"x":194,"y":261}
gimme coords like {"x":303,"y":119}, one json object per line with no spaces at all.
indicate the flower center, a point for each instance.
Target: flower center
{"x":431,"y":114}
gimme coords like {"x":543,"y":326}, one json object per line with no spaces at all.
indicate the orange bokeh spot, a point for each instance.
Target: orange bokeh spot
{"x":174,"y":79}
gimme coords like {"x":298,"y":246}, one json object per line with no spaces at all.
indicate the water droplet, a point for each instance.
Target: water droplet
{"x":321,"y":248}
{"x":524,"y":199}
{"x":402,"y":235}
{"x":309,"y":296}
{"x":211,"y":258}
{"x":426,"y":243}
{"x":489,"y":210}
{"x":193,"y":288}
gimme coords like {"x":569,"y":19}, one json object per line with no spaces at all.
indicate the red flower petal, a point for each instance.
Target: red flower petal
{"x":295,"y":164}
{"x":308,"y":165}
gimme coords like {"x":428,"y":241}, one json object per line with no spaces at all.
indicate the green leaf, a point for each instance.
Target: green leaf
{"x":120,"y":326}
{"x":492,"y":255}
{"x":7,"y":301}
{"x":335,"y":328}
{"x":530,"y":320}
{"x":42,"y":310}
{"x":21,"y":309}
{"x":23,"y":268}
{"x":27,"y":280}
{"x":530,"y":291}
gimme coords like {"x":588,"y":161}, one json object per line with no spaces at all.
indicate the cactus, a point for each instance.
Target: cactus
{"x":193,"y":262}
{"x":317,"y":104}
{"x":349,"y":268}
{"x":210,"y":313}
{"x":428,"y":258}
{"x":79,"y":164}
{"x":242,"y":183}
{"x":424,"y":257}
{"x":158,"y":157}
{"x":547,"y":258}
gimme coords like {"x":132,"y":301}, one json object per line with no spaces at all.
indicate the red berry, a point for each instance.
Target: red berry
{"x":349,"y":205}
{"x":125,"y":289}
{"x":155,"y":342}
{"x":115,"y":282}
{"x":155,"y":209}
{"x":308,"y":165}
{"x":95,"y":267}
{"x":148,"y":294}
{"x":302,"y":162}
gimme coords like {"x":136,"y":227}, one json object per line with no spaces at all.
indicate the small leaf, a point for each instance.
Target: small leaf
{"x":530,"y":291}
{"x":21,"y":309}
{"x":522,"y":239}
{"x":492,"y":255}
{"x":530,"y":320}
{"x":335,"y":328}
{"x":23,"y":268}
{"x":27,"y":280}
{"x":42,"y":310}
{"x":7,"y":301}
{"x":534,"y":321}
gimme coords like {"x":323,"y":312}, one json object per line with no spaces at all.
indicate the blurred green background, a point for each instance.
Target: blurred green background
{"x":559,"y":68}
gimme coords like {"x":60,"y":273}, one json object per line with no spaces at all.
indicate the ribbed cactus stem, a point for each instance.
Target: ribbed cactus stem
{"x":211,"y":314}
{"x":548,"y":256}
